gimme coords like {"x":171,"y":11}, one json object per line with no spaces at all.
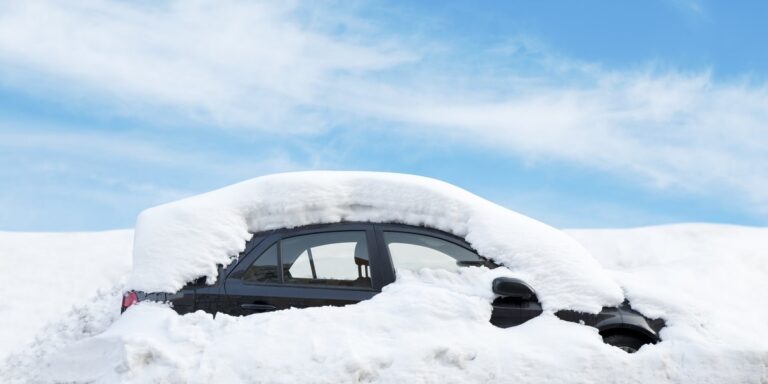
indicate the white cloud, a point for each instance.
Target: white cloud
{"x":233,"y":63}
{"x":674,"y":130}
{"x":267,"y":66}
{"x":74,"y":179}
{"x":95,"y":148}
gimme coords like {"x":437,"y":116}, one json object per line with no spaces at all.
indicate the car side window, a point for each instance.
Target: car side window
{"x":413,"y":252}
{"x":264,"y":268}
{"x":328,"y":258}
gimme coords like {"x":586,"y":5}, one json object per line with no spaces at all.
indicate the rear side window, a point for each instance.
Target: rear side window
{"x":413,"y":252}
{"x":264,"y":268}
{"x":328,"y":258}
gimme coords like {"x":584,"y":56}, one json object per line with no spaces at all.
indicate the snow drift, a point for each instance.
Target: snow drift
{"x":709,"y":282}
{"x":178,"y":242}
{"x":42,"y":275}
{"x":425,"y":328}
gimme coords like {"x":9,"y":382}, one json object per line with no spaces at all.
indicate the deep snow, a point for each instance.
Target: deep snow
{"x":178,"y":242}
{"x":42,"y":275}
{"x":61,"y":292}
{"x":715,"y":336}
{"x":709,"y":281}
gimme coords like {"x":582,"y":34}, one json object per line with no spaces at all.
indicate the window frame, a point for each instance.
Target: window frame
{"x":281,"y":270}
{"x":259,"y":243}
{"x":413,"y":230}
{"x":257,"y":257}
{"x":381,"y":265}
{"x":269,"y":238}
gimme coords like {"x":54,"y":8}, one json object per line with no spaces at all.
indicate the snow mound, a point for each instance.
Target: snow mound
{"x":181,"y":241}
{"x":430,"y":327}
{"x":709,"y":282}
{"x":42,"y":275}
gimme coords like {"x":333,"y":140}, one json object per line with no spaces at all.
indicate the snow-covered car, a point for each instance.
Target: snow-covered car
{"x":344,"y":263}
{"x":313,"y":239}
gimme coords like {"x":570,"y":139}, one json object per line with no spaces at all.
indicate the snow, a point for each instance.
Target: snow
{"x":433,"y":327}
{"x":710,"y":282}
{"x":61,"y":319}
{"x":178,"y":242}
{"x":44,"y":274}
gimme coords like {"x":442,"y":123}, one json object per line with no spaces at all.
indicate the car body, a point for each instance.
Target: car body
{"x":344,"y":263}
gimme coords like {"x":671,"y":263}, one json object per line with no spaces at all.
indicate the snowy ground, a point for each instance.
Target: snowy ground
{"x":43,"y":275}
{"x":60,"y":321}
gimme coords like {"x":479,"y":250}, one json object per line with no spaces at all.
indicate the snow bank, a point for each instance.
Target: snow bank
{"x":178,"y":242}
{"x":426,"y":328}
{"x":710,"y":282}
{"x":42,"y":275}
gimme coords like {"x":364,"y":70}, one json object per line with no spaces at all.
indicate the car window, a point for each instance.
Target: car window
{"x":414,"y":252}
{"x":264,"y":268}
{"x":329,"y":258}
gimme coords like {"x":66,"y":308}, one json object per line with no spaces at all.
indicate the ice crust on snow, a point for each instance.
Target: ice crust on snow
{"x":178,"y":242}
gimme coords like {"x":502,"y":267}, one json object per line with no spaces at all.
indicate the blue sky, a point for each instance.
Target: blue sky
{"x":589,"y":114}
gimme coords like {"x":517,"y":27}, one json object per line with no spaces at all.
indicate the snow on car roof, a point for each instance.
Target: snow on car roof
{"x":180,"y":241}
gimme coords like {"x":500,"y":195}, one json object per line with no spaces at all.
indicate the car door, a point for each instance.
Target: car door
{"x":254,"y":284}
{"x":334,"y":264}
{"x":414,"y":249}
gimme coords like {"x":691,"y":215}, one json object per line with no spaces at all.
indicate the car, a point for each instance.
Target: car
{"x":344,"y":263}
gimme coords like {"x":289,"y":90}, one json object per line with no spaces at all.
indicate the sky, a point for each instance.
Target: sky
{"x":588,"y":114}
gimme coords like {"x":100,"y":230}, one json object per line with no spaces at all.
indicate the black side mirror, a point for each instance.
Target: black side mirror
{"x":512,"y":288}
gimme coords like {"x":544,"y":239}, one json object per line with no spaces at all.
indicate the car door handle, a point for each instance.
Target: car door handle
{"x":258,"y":307}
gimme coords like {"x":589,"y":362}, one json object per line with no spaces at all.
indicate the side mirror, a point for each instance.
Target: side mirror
{"x":512,"y":288}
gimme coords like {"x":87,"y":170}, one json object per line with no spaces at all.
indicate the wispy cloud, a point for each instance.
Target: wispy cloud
{"x":231,"y":63}
{"x":66,"y":142}
{"x":690,"y":7}
{"x":67,"y":177}
{"x":295,"y":71}
{"x":672,"y":130}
